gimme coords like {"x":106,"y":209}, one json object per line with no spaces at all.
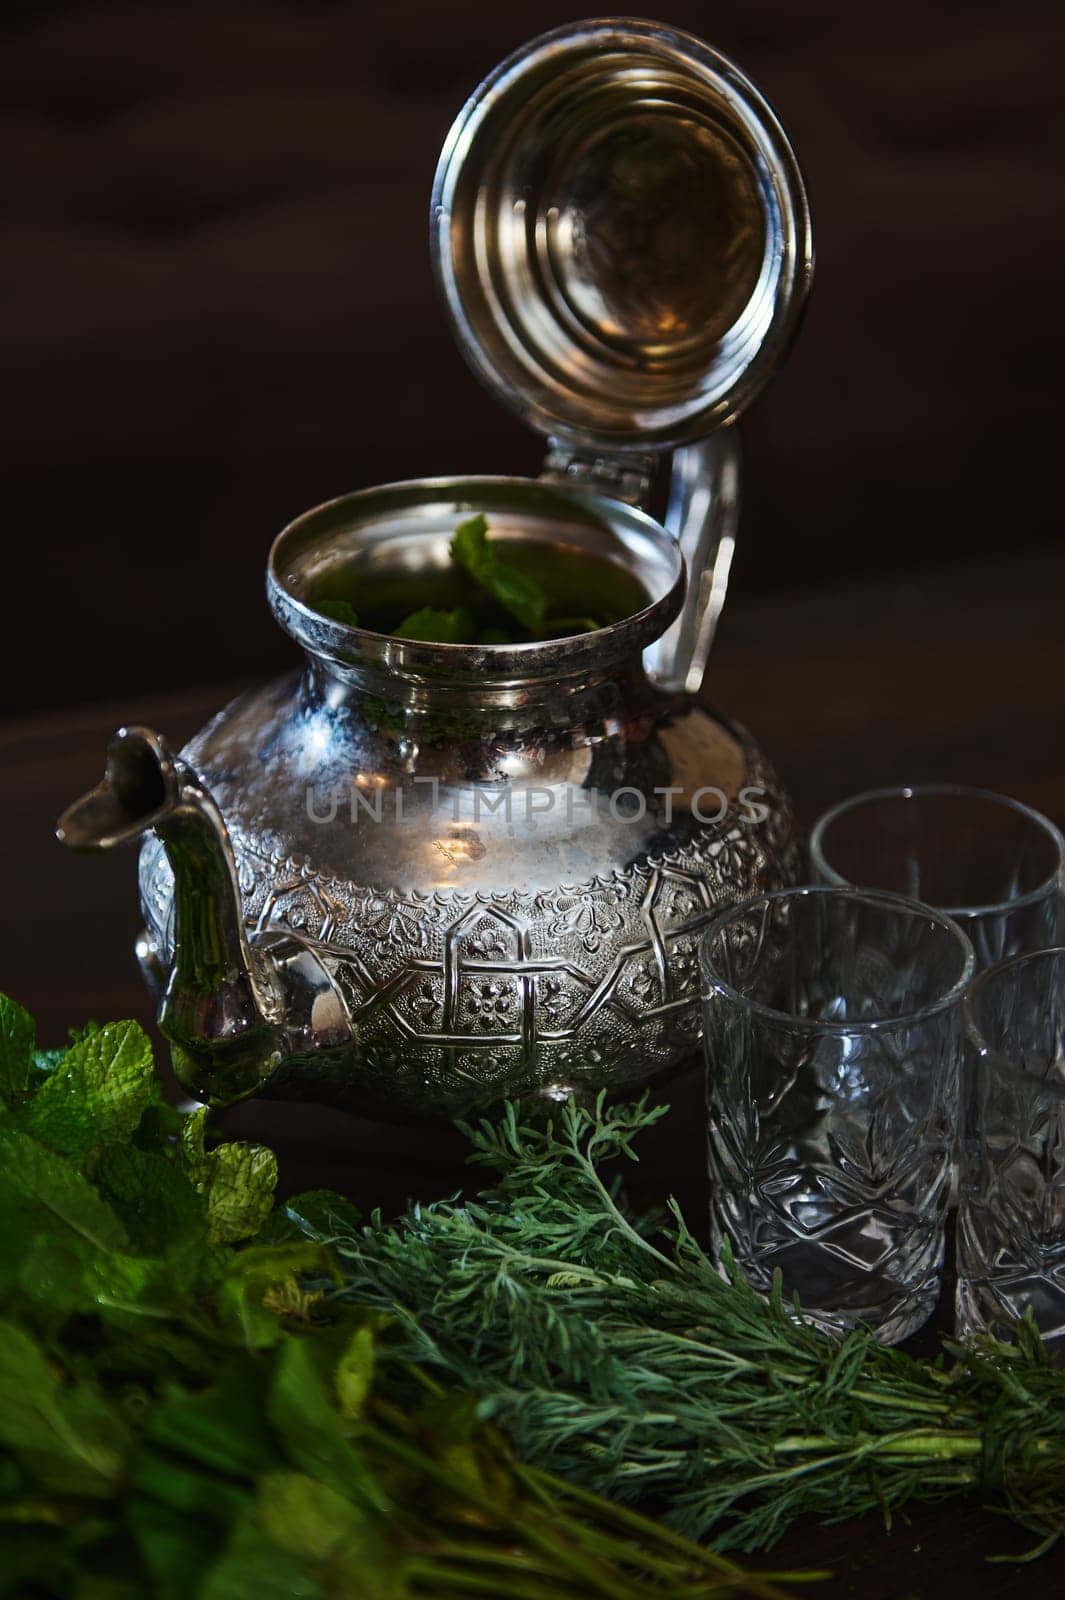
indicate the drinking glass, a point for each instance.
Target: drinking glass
{"x":1011,"y":1217}
{"x":996,"y":866}
{"x":832,"y":1033}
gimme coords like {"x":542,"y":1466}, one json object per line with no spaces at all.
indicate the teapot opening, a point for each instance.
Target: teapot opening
{"x":388,"y":548}
{"x":556,"y":590}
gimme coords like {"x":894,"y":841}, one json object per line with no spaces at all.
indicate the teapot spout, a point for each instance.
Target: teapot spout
{"x":218,"y":1009}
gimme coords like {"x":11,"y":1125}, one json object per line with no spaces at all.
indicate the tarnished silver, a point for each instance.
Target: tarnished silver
{"x":413,"y":878}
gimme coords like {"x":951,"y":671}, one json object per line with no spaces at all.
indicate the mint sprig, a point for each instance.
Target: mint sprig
{"x":519,"y":594}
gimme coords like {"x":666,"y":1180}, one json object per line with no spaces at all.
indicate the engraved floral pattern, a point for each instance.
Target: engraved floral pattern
{"x":493,"y":1004}
{"x":384,"y":1059}
{"x":488,"y":943}
{"x":683,"y":903}
{"x":684,"y":969}
{"x":554,"y":998}
{"x":589,"y":917}
{"x":686,"y":1025}
{"x":425,"y":1003}
{"x":644,"y":980}
{"x":610,"y":961}
{"x":398,"y":923}
{"x":599,"y":1056}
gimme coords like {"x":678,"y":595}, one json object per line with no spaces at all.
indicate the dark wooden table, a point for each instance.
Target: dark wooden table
{"x":952,"y":674}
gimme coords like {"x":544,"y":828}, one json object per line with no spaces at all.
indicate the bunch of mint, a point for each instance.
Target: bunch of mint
{"x":182,"y":1416}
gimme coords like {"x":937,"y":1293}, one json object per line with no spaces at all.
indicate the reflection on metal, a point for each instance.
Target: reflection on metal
{"x":403,"y":878}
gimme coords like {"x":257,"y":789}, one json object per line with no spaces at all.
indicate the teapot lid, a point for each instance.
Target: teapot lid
{"x":622,"y":236}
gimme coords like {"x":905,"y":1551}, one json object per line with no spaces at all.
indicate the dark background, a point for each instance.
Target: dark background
{"x":217,"y":307}
{"x":217,"y":310}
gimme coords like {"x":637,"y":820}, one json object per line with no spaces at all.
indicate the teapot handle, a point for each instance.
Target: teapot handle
{"x":702,"y":515}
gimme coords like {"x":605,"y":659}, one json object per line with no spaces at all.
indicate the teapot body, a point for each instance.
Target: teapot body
{"x":504,"y":903}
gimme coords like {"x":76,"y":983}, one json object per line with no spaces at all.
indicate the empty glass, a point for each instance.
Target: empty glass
{"x":1011,"y":1217}
{"x":996,"y":866}
{"x":833,"y":1037}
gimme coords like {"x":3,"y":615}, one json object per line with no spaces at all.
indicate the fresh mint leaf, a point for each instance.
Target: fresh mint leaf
{"x":18,"y":1041}
{"x":51,"y":1279}
{"x":310,"y":1429}
{"x":155,"y":1352}
{"x":338,"y":611}
{"x":517,"y":592}
{"x":60,"y":1274}
{"x":222,"y":1429}
{"x":160,"y":1127}
{"x":323,"y":1528}
{"x":264,"y":1284}
{"x":316,"y":1214}
{"x":125,"y":1289}
{"x":176,"y":1549}
{"x":354,"y":1373}
{"x":76,"y":1035}
{"x":97,"y":1093}
{"x":237,"y":1181}
{"x":50,"y":1190}
{"x":68,"y":1438}
{"x":193,"y":1140}
{"x":153,"y":1198}
{"x":252,"y":1565}
{"x":437,"y":627}
{"x":451,"y":1423}
{"x":188,"y":1487}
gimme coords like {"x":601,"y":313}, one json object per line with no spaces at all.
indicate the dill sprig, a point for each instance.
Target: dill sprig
{"x":619,"y":1355}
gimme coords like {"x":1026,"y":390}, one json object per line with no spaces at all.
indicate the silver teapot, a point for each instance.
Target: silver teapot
{"x":409,"y":878}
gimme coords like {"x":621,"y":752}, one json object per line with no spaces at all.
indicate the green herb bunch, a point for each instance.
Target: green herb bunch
{"x":619,"y":1354}
{"x":183,"y":1418}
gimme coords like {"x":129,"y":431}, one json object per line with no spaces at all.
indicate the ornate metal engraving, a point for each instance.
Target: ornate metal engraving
{"x":456,"y":998}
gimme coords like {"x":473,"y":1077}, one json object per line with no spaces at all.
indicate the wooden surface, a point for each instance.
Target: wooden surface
{"x":955,"y":674}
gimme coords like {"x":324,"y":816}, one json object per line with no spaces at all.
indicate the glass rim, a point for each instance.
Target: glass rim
{"x":881,"y":897}
{"x":915,"y":791}
{"x":999,"y":970}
